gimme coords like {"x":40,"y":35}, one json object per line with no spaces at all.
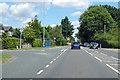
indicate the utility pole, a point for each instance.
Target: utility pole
{"x":43,"y":22}
{"x":20,"y":38}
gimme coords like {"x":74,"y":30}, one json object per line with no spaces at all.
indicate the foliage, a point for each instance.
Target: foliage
{"x":4,"y":35}
{"x":56,"y":33}
{"x":114,"y":12}
{"x":10,"y":42}
{"x":36,"y":43}
{"x":16,"y":33}
{"x":28,"y":35}
{"x":93,"y":21}
{"x":66,"y":27}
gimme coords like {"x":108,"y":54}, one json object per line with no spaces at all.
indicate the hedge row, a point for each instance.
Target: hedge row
{"x":36,"y":43}
{"x":10,"y":42}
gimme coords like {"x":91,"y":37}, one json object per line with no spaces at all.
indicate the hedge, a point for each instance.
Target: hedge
{"x":10,"y":42}
{"x":36,"y":43}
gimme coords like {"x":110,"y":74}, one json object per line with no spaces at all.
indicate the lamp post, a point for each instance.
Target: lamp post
{"x":54,"y":40}
{"x":21,"y":37}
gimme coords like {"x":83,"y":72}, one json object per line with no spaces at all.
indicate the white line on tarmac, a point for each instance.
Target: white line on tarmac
{"x":112,"y":68}
{"x":47,"y":66}
{"x":54,"y":59}
{"x":62,"y":49}
{"x":51,"y":62}
{"x":40,"y":72}
{"x":114,"y":58}
{"x":91,"y":54}
{"x":98,"y":59}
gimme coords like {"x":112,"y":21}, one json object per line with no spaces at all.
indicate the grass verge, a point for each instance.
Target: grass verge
{"x":4,"y":58}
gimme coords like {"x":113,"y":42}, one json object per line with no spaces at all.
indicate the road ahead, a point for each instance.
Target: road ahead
{"x":62,"y":63}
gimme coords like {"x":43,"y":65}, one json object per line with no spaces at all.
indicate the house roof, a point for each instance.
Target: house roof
{"x":6,"y":28}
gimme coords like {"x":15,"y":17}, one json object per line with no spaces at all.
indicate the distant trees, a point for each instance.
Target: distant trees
{"x":66,"y":27}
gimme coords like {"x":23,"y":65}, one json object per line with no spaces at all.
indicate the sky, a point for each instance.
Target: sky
{"x":18,"y":13}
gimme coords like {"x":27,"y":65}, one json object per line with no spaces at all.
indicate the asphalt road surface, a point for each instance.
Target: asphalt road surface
{"x":62,"y":62}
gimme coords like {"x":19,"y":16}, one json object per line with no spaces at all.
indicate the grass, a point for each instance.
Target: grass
{"x":4,"y":58}
{"x":33,"y":48}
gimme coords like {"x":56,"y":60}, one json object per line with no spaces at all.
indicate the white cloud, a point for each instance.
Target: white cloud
{"x":24,"y":23}
{"x":78,"y":13}
{"x":53,"y":25}
{"x":78,"y":4}
{"x":20,"y":11}
{"x":4,"y":9}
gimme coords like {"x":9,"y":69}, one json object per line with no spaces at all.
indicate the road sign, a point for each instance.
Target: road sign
{"x":40,"y":43}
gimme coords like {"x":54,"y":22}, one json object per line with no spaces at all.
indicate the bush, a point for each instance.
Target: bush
{"x":52,"y":43}
{"x":36,"y":43}
{"x":64,"y":41}
{"x":10,"y":42}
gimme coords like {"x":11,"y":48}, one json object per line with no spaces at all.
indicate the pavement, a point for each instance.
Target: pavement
{"x":62,"y":62}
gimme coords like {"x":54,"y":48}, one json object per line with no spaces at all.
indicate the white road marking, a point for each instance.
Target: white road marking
{"x":62,"y":49}
{"x":51,"y":62}
{"x":42,"y":50}
{"x":98,"y":59}
{"x":110,"y":61}
{"x":54,"y":59}
{"x":40,"y":72}
{"x":46,"y":66}
{"x":112,"y":68}
{"x":114,"y":58}
{"x":91,"y":54}
{"x":57,"y":57}
{"x":114,"y":64}
{"x":103,"y":54}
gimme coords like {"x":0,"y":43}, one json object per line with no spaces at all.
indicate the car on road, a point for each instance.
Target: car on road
{"x":86,"y":44}
{"x":75,"y":45}
{"x":93,"y":45}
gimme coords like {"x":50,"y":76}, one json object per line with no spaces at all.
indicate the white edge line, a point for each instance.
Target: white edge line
{"x":113,"y":68}
{"x":40,"y":72}
{"x":54,"y":59}
{"x":98,"y":59}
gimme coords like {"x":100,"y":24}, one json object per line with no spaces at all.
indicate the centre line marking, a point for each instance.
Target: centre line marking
{"x":54,"y":59}
{"x":47,"y":66}
{"x":40,"y":72}
{"x":112,"y":68}
{"x":98,"y":59}
{"x":114,"y":58}
{"x":51,"y":62}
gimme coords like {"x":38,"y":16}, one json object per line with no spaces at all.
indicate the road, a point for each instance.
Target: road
{"x":62,"y":63}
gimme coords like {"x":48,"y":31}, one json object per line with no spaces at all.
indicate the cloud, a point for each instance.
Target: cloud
{"x":78,"y":4}
{"x":24,"y":23}
{"x":20,"y":11}
{"x":53,"y":25}
{"x":4,"y":9}
{"x":78,"y":13}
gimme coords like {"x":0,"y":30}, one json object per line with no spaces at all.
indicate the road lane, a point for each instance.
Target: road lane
{"x":78,"y":64}
{"x":28,"y":62}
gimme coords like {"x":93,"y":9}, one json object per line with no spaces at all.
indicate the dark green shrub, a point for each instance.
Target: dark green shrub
{"x":52,"y":43}
{"x":64,"y":41}
{"x":10,"y":42}
{"x":36,"y":43}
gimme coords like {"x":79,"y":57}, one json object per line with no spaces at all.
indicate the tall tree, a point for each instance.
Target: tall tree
{"x":66,"y":27}
{"x":16,"y":33}
{"x":93,"y":21}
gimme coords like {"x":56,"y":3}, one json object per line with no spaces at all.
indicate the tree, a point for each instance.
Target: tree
{"x":28,"y":35}
{"x":56,"y":33}
{"x":93,"y":21}
{"x":16,"y":33}
{"x":4,"y":35}
{"x":36,"y":25}
{"x":66,"y":27}
{"x":48,"y":28}
{"x":114,"y":12}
